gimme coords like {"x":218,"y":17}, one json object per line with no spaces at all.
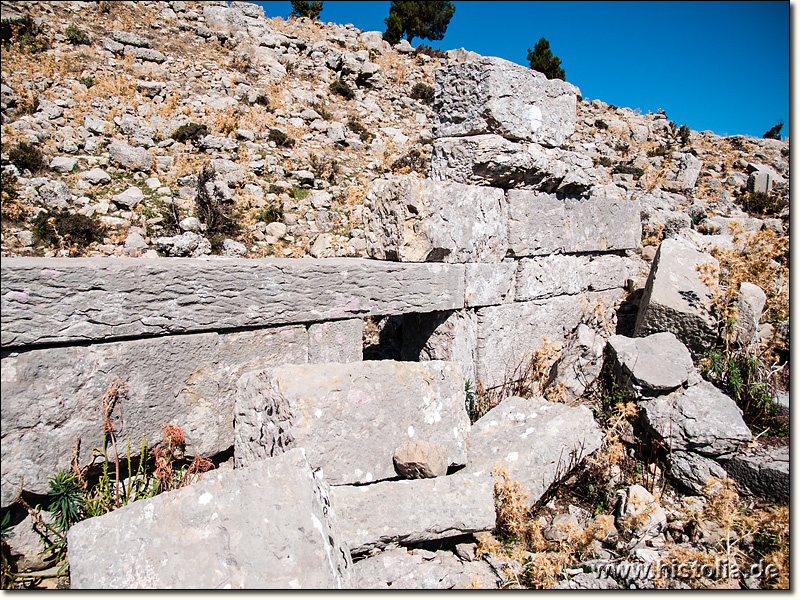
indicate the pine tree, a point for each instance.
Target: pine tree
{"x":302,"y":8}
{"x":774,"y":133}
{"x":427,"y":19}
{"x":542,"y":60}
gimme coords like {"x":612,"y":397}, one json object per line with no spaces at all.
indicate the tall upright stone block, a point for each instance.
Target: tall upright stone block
{"x":446,"y":335}
{"x":335,"y":341}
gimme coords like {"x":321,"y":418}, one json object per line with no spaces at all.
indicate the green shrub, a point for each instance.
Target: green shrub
{"x":356,"y":127}
{"x":628,"y":170}
{"x":12,"y":209}
{"x":26,"y":33}
{"x":275,"y":189}
{"x":299,"y":193}
{"x":212,"y":209}
{"x":432,"y":52}
{"x":684,"y":133}
{"x":302,"y":8}
{"x":190,"y":131}
{"x":76,"y":35}
{"x":27,"y":156}
{"x":269,"y":214}
{"x":761,"y":203}
{"x":422,"y":92}
{"x":413,"y":161}
{"x":600,"y":124}
{"x":622,"y":148}
{"x":322,"y":110}
{"x":61,"y":229}
{"x":605,"y":161}
{"x":341,"y":88}
{"x":280,"y":138}
{"x":659,"y":151}
{"x":775,"y":132}
{"x":87,"y":81}
{"x":427,"y":20}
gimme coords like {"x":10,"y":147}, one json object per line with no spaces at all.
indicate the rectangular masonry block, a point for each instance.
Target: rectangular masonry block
{"x":335,"y":341}
{"x":557,"y":274}
{"x":489,"y":283}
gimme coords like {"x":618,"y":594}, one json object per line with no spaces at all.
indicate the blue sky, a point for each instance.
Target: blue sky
{"x":722,"y":66}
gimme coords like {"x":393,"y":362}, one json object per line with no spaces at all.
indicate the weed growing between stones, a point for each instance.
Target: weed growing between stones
{"x":66,"y":231}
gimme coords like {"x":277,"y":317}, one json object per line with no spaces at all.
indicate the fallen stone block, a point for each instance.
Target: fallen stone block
{"x":557,"y":274}
{"x":419,"y":220}
{"x":130,"y":157}
{"x":578,"y":366}
{"x":493,"y":95}
{"x":52,"y":396}
{"x":762,"y":472}
{"x":350,"y":417}
{"x":271,"y":525}
{"x":536,"y":441}
{"x":694,"y":471}
{"x":699,"y":419}
{"x":678,"y":298}
{"x":335,"y":341}
{"x":414,"y":510}
{"x":656,"y":364}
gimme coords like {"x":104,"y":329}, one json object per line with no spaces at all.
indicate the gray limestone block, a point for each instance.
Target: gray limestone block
{"x":443,"y":335}
{"x":419,"y":220}
{"x":748,"y":312}
{"x":128,"y":38}
{"x":676,"y":297}
{"x":493,"y":95}
{"x":335,"y":341}
{"x":579,"y":365}
{"x":271,"y":525}
{"x":495,"y":161}
{"x":489,"y":283}
{"x":540,"y":223}
{"x":350,"y":417}
{"x":508,"y":334}
{"x":650,"y":365}
{"x":80,"y":299}
{"x":699,"y":419}
{"x":762,"y":472}
{"x":695,"y":471}
{"x":52,"y":396}
{"x":420,"y":460}
{"x":130,"y":157}
{"x":557,"y":274}
{"x":414,"y":510}
{"x":536,"y":441}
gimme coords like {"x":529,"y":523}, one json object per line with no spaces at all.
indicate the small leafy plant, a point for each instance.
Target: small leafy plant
{"x":340,"y":88}
{"x":280,"y":138}
{"x":76,"y":35}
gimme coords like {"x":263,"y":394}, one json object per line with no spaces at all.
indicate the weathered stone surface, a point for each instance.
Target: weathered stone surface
{"x":508,"y":334}
{"x":399,"y":569}
{"x":495,"y":161}
{"x":579,"y":365}
{"x":350,"y":417}
{"x":130,"y":157}
{"x":420,"y":460}
{"x":694,"y":471}
{"x":78,"y":299}
{"x":271,"y":525}
{"x":650,"y":365}
{"x":587,"y":581}
{"x":414,"y":510}
{"x":50,"y":396}
{"x":557,"y":274}
{"x":676,"y":298}
{"x":26,"y":547}
{"x":748,"y":314}
{"x":493,"y":95}
{"x":489,"y":283}
{"x":686,"y":175}
{"x":536,"y":441}
{"x":335,"y":341}
{"x":638,"y":512}
{"x":419,"y":220}
{"x":700,"y":419}
{"x":188,"y":243}
{"x":541,"y":223}
{"x":762,"y":472}
{"x":442,"y":335}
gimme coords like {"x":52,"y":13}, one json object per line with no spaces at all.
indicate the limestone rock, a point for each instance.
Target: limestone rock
{"x":762,"y":472}
{"x":129,"y":157}
{"x":493,"y":95}
{"x":129,"y":198}
{"x":700,"y":419}
{"x":335,"y":341}
{"x":55,"y":194}
{"x":420,"y":220}
{"x":694,"y":471}
{"x":536,"y":441}
{"x":26,"y":547}
{"x":650,"y":365}
{"x":420,"y":460}
{"x":187,"y":244}
{"x":639,"y":512}
{"x":350,"y":417}
{"x":578,"y":366}
{"x":557,"y":274}
{"x":271,"y":525}
{"x":489,"y":283}
{"x":749,"y":306}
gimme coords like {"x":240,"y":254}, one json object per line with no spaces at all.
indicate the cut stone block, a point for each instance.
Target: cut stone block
{"x":488,"y":284}
{"x":48,"y":300}
{"x":557,"y":274}
{"x":762,"y":472}
{"x":493,"y":95}
{"x":414,"y":510}
{"x":51,"y":396}
{"x":419,"y":220}
{"x":350,"y":417}
{"x":699,"y":419}
{"x":445,"y":335}
{"x":676,"y":297}
{"x":541,"y":223}
{"x":650,"y":365}
{"x":335,"y":341}
{"x":536,"y":441}
{"x":271,"y":525}
{"x":694,"y":471}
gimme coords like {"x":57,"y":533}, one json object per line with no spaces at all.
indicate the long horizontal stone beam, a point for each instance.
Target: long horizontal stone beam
{"x":55,"y":300}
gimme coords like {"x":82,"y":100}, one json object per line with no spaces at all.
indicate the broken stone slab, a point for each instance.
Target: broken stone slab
{"x":508,"y":334}
{"x":493,"y":95}
{"x":419,"y":220}
{"x":699,"y":419}
{"x":685,"y":177}
{"x":557,"y":274}
{"x":48,"y":300}
{"x":271,"y":525}
{"x":350,"y":417}
{"x":495,"y":161}
{"x":656,"y":364}
{"x":762,"y":472}
{"x":540,"y":223}
{"x":536,"y":441}
{"x":420,"y":460}
{"x":578,"y":366}
{"x":694,"y":471}
{"x":335,"y":341}
{"x":748,"y":312}
{"x":409,"y":511}
{"x":489,"y":283}
{"x":51,"y":396}
{"x":130,"y":157}
{"x":678,"y":298}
